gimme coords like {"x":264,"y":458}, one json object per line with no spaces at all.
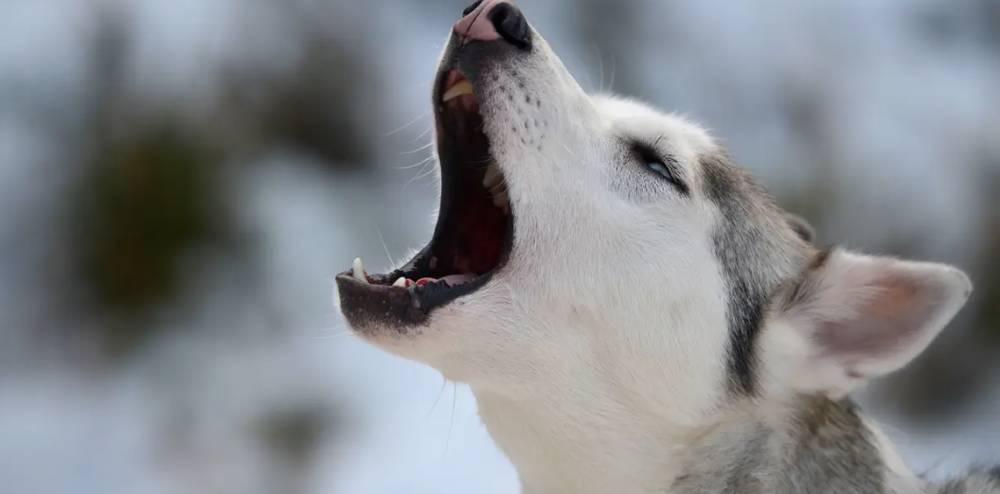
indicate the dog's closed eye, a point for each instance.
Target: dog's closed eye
{"x":664,"y":167}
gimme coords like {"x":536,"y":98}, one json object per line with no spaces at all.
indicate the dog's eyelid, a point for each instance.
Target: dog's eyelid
{"x":666,"y":165}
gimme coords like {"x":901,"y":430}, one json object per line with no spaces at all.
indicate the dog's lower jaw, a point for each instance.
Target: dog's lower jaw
{"x":809,"y":442}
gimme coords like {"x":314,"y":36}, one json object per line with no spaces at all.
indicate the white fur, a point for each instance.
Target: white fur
{"x":598,"y":353}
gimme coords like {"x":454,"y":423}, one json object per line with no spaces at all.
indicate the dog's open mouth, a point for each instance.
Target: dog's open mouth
{"x":474,"y":229}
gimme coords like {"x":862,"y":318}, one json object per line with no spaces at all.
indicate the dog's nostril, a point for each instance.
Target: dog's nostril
{"x":491,"y":20}
{"x":468,"y":10}
{"x":510,"y":23}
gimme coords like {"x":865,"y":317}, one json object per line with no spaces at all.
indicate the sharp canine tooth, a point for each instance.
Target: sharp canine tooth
{"x":464,"y":87}
{"x":359,"y":270}
{"x":401,"y":282}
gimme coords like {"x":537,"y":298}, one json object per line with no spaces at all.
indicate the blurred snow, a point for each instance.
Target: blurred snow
{"x":895,"y":124}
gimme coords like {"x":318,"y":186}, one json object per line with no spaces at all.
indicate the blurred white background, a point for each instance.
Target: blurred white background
{"x":179,"y":181}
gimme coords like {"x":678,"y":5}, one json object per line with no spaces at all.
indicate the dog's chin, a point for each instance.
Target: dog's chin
{"x":450,"y":341}
{"x":471,"y":242}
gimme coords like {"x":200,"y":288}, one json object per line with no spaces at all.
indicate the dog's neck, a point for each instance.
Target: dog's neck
{"x":809,"y":444}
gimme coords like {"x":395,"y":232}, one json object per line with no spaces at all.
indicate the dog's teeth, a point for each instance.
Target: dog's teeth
{"x":457,"y":90}
{"x":359,"y":270}
{"x":400,"y":282}
{"x":491,"y":177}
{"x":500,"y":199}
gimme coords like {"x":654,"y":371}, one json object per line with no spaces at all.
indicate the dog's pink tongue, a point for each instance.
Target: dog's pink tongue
{"x":458,"y":279}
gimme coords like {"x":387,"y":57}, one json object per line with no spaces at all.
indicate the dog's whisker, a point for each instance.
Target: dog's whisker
{"x":422,"y":134}
{"x":451,"y":421}
{"x":444,"y":382}
{"x":419,"y":149}
{"x":430,"y":171}
{"x":385,"y":248}
{"x":337,"y":331}
{"x":600,"y":62}
{"x":407,"y":124}
{"x":417,"y":164}
{"x":614,"y":67}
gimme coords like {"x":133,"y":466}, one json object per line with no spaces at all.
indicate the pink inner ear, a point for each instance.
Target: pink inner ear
{"x":892,"y":319}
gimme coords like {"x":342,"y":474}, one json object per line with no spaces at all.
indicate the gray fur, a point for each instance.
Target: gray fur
{"x":977,"y":482}
{"x":757,"y":248}
{"x":738,"y":457}
{"x":831,"y":447}
{"x":816,"y":446}
{"x":821,"y":446}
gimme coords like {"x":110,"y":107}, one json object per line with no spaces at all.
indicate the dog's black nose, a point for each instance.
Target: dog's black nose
{"x":510,"y":23}
{"x":488,"y":20}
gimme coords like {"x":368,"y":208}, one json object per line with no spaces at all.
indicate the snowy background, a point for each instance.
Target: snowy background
{"x":179,"y":181}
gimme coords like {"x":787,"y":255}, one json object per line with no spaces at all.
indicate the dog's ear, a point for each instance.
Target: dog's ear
{"x":851,"y":317}
{"x":802,"y":228}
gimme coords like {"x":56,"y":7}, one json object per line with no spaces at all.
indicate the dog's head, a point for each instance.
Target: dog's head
{"x":595,"y":252}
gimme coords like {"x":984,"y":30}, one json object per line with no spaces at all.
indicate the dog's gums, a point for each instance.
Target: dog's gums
{"x":475,"y":222}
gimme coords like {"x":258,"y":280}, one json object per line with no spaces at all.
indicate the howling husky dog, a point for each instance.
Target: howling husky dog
{"x":633,"y":313}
